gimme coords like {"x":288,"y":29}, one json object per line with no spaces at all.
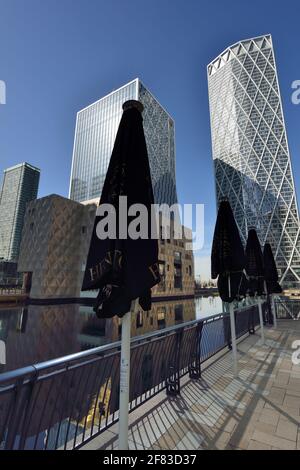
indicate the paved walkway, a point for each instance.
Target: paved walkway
{"x":258,"y":410}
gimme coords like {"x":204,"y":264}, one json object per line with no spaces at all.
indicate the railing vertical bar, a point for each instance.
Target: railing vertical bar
{"x":72,"y":410}
{"x":98,"y":393}
{"x":53,"y":411}
{"x":113,"y":381}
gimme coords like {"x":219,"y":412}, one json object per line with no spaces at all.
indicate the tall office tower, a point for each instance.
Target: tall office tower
{"x":250,"y":150}
{"x":19,"y":186}
{"x":96,"y":128}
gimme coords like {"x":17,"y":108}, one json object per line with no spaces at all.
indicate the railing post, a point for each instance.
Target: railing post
{"x":262,"y":334}
{"x":273,"y":307}
{"x":26,"y":419}
{"x":195,"y":358}
{"x":18,"y":410}
{"x":228,"y":332}
{"x":173,"y":377}
{"x":229,"y":344}
{"x":251,"y":327}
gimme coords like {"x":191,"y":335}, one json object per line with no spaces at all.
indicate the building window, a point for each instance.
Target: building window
{"x":139,"y":319}
{"x":31,"y":226}
{"x":178,"y":313}
{"x":177,"y":270}
{"x":162,"y":239}
{"x":161,"y":318}
{"x":162,"y":273}
{"x":83,"y":229}
{"x":177,"y":277}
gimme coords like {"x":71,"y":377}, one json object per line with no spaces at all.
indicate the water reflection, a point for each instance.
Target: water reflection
{"x":37,"y":333}
{"x":207,"y":306}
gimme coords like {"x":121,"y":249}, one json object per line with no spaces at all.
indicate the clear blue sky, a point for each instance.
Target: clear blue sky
{"x":58,"y":56}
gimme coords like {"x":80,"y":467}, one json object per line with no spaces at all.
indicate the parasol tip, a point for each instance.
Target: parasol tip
{"x":133,"y":104}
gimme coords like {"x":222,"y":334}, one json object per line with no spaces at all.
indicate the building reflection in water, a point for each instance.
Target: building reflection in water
{"x":207,"y":306}
{"x":37,"y":333}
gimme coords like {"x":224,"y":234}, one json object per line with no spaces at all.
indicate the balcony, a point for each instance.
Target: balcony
{"x":182,"y":391}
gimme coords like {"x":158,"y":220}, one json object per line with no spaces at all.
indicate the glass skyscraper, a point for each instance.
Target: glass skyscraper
{"x":96,"y":128}
{"x":250,"y":150}
{"x":19,"y":186}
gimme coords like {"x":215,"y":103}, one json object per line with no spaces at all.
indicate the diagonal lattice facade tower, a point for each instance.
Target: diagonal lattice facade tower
{"x":250,"y":150}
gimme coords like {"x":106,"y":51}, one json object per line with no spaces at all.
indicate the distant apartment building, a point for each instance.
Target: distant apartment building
{"x":8,"y":274}
{"x":250,"y":150}
{"x":96,"y":129}
{"x":19,"y":186}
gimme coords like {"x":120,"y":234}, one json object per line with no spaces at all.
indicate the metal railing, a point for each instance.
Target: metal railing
{"x":287,"y":308}
{"x":65,"y":402}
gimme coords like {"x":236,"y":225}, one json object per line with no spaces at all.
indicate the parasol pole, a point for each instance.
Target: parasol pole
{"x":262,"y":333}
{"x":272,"y":304}
{"x":273,"y":310}
{"x":125,"y":378}
{"x":2,"y":352}
{"x":233,"y":333}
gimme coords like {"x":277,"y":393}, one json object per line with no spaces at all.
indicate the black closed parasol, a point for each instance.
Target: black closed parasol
{"x":227,"y":256}
{"x":227,"y":263}
{"x":270,"y":271}
{"x":255,"y":272}
{"x":271,"y":278}
{"x":123,"y":263}
{"x":123,"y":268}
{"x":254,"y":265}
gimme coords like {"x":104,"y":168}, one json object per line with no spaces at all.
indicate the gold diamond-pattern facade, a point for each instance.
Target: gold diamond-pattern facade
{"x":250,"y":150}
{"x":54,"y":245}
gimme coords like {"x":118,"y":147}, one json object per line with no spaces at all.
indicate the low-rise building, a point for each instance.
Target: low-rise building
{"x":9,"y":277}
{"x":55,"y":240}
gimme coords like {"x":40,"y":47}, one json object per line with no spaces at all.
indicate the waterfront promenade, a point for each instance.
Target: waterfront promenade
{"x":258,"y":410}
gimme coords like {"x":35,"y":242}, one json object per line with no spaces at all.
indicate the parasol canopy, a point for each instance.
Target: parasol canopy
{"x":227,"y":257}
{"x":270,"y":271}
{"x":254,"y":265}
{"x":121,"y":267}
